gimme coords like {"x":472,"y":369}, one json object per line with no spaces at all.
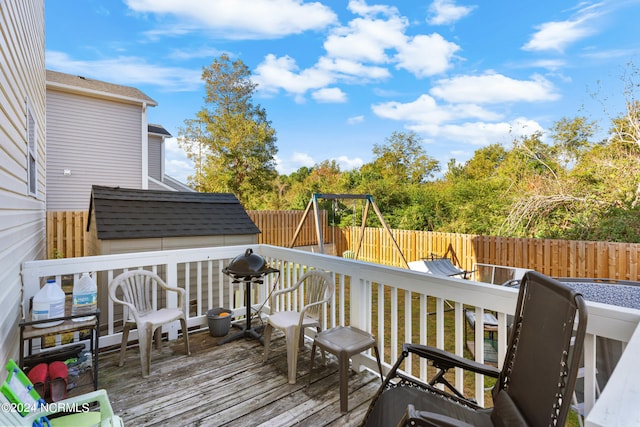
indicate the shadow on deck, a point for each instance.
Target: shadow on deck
{"x":229,"y":385}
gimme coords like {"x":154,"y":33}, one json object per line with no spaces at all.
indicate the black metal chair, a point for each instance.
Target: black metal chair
{"x":534,"y":387}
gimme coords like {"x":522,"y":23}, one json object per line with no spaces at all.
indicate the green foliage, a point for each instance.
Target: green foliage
{"x":231,"y":141}
{"x":571,"y":188}
{"x":561,"y":185}
{"x":403,"y":159}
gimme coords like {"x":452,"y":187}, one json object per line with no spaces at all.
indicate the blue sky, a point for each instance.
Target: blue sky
{"x":337,"y":77}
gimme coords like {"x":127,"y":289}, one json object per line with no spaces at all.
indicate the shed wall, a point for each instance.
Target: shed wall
{"x":107,"y":247}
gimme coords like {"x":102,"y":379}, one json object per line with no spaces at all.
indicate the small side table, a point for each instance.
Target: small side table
{"x":344,"y":342}
{"x":28,"y":332}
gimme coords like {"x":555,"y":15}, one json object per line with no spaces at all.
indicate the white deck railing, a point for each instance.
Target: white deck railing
{"x":396,"y":305}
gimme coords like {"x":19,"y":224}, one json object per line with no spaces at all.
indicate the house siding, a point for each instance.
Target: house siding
{"x":98,"y":140}
{"x":22,"y":230}
{"x":155,"y":157}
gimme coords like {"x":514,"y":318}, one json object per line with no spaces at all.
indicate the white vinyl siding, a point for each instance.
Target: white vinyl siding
{"x":32,"y":151}
{"x":22,"y":216}
{"x":155,"y":157}
{"x":96,"y":141}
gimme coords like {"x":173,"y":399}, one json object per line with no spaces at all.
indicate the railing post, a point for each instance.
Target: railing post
{"x":172,"y":299}
{"x":589,"y":352}
{"x":30,"y":286}
{"x":357,"y":292}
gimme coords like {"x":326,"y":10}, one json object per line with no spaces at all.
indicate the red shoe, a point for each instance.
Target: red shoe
{"x":58,"y":375}
{"x":39,"y":377}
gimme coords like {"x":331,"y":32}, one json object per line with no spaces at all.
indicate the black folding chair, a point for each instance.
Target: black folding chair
{"x":534,"y":387}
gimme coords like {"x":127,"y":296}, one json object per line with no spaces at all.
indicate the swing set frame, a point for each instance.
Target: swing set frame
{"x":370,"y":203}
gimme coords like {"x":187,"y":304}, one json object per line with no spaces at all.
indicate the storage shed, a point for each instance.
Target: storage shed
{"x":123,"y":220}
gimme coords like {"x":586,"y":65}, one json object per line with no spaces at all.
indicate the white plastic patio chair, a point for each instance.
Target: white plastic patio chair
{"x":317,"y":289}
{"x":133,"y":289}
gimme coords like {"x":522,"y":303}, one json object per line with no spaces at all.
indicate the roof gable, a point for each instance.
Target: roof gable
{"x":69,"y":82}
{"x":122,"y":213}
{"x":158,"y":130}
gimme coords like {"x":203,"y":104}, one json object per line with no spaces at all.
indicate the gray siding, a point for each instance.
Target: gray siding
{"x":98,"y":140}
{"x":22,"y":216}
{"x":155,"y":157}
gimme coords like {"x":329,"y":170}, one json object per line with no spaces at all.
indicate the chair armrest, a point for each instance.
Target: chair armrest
{"x":181,"y":294}
{"x":283,"y":291}
{"x":308,"y":306}
{"x":79,"y":402}
{"x":130,"y":306}
{"x":171,"y":288}
{"x":445,"y":360}
{"x":413,"y":417}
{"x":277,"y":293}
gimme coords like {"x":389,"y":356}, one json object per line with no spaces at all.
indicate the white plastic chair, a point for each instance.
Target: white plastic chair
{"x":317,"y":289}
{"x":136,"y":288}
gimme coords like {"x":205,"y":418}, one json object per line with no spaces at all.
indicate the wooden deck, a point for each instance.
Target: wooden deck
{"x":228,"y":385}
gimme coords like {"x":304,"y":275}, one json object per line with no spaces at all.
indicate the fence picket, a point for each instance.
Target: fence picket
{"x":562,"y":258}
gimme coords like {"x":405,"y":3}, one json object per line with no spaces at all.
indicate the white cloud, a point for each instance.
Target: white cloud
{"x":446,"y":12}
{"x":356,"y":53}
{"x":274,"y":74}
{"x":549,"y":64}
{"x":203,"y":52}
{"x":329,"y":95}
{"x":481,"y":133}
{"x":282,"y":73}
{"x":128,"y":70}
{"x":360,"y":7}
{"x":347,"y":163}
{"x":557,"y":35}
{"x":355,"y":120}
{"x":426,"y":111}
{"x":493,"y":88}
{"x":295,"y":161}
{"x":285,"y":166}
{"x":426,"y":55}
{"x":242,"y":19}
{"x":177,"y":165}
{"x":422,"y":109}
{"x":366,"y":39}
{"x":349,"y":70}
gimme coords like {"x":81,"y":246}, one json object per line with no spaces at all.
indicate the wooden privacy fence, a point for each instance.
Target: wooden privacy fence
{"x":66,"y":234}
{"x":278,"y":227}
{"x":557,"y":258}
{"x":66,"y":230}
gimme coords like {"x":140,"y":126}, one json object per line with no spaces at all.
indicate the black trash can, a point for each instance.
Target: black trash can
{"x":219,"y":320}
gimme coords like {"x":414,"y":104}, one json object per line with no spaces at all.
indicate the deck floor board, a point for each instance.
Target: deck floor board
{"x":229,"y":385}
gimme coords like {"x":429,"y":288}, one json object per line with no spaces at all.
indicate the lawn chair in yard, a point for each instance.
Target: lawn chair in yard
{"x":533,"y":388}
{"x":22,"y":406}
{"x":439,"y":267}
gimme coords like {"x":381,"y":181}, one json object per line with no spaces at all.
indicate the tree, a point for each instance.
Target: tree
{"x":404,"y":160}
{"x":571,"y":138}
{"x":231,"y":141}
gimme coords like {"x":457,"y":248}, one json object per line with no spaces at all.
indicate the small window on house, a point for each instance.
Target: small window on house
{"x":32,"y":152}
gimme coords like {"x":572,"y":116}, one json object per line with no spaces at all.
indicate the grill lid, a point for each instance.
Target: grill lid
{"x":248,"y":265}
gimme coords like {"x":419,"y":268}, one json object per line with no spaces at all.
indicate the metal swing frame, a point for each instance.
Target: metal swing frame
{"x":369,"y":204}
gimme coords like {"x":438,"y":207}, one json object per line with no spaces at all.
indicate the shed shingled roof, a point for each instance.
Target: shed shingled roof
{"x":123,"y":213}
